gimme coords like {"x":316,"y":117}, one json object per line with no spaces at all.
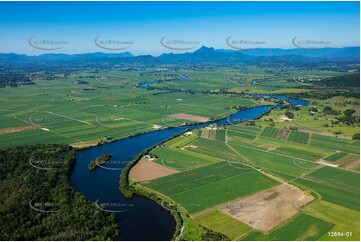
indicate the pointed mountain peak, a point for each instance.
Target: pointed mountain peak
{"x":205,"y":49}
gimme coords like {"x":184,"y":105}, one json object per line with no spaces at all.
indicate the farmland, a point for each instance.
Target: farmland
{"x":303,"y":227}
{"x":206,"y":169}
{"x":211,"y":185}
{"x":269,"y":132}
{"x":222,"y":223}
{"x":345,"y":219}
{"x":335,"y":186}
{"x":180,"y":121}
{"x":298,"y":137}
{"x":180,"y":159}
{"x":337,"y":144}
{"x":336,"y":156}
{"x":294,"y":157}
{"x":79,"y":114}
{"x":83,"y":114}
{"x":313,"y":120}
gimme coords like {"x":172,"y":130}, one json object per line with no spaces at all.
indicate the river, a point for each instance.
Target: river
{"x":138,"y":218}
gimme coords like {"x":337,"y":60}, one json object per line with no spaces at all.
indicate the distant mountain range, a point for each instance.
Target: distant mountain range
{"x":200,"y":56}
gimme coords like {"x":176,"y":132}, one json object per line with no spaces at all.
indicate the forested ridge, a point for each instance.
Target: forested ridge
{"x":39,"y":203}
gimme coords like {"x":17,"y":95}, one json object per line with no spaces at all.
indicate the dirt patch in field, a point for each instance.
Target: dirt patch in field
{"x":283,"y":134}
{"x":17,"y":129}
{"x":190,"y":117}
{"x":86,"y":144}
{"x":283,"y":118}
{"x":204,"y":133}
{"x":312,"y":231}
{"x":353,"y":164}
{"x":267,"y":209}
{"x":146,"y":170}
{"x":212,"y":134}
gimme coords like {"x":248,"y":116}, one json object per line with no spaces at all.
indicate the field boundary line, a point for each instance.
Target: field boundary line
{"x":239,"y":174}
{"x":322,"y":182}
{"x":74,"y":119}
{"x":25,"y":121}
{"x":39,"y":127}
{"x":137,"y":121}
{"x":208,"y":183}
{"x":172,"y":180}
{"x":184,"y":151}
{"x":315,"y":162}
{"x":278,"y":154}
{"x":243,"y":132}
{"x":238,"y":153}
{"x":314,"y":146}
{"x":306,"y":173}
{"x":226,"y":136}
{"x":260,"y":170}
{"x":274,"y":177}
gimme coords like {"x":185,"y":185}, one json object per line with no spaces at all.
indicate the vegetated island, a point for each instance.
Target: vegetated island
{"x":100,"y":160}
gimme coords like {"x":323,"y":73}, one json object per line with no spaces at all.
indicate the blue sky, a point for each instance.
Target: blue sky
{"x":145,"y":23}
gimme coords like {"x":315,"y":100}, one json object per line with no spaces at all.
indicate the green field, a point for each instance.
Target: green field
{"x":343,"y":217}
{"x":182,"y":141}
{"x":298,"y":137}
{"x":273,"y":161}
{"x":221,"y":135}
{"x":240,"y":127}
{"x":335,"y":143}
{"x":234,"y":134}
{"x":180,"y":159}
{"x":210,"y":185}
{"x":89,"y":113}
{"x":336,"y":156}
{"x":269,"y":132}
{"x":214,"y":148}
{"x":301,"y":152}
{"x":211,"y":166}
{"x":336,"y":186}
{"x":303,"y":227}
{"x":224,"y":224}
{"x":342,"y":179}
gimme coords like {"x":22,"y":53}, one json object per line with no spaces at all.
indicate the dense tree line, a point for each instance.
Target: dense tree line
{"x":13,"y":79}
{"x":352,"y":80}
{"x":325,"y":95}
{"x":39,"y":203}
{"x":356,"y":136}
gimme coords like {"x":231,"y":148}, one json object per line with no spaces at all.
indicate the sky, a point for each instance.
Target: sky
{"x":35,"y":28}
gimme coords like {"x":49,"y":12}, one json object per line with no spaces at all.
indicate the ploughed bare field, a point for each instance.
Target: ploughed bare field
{"x":146,"y":170}
{"x":268,"y":209}
{"x":204,"y":133}
{"x":189,"y":117}
{"x":17,"y":129}
{"x":352,"y":164}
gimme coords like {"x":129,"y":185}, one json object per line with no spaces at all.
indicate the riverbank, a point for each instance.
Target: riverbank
{"x":100,"y":185}
{"x":129,"y":189}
